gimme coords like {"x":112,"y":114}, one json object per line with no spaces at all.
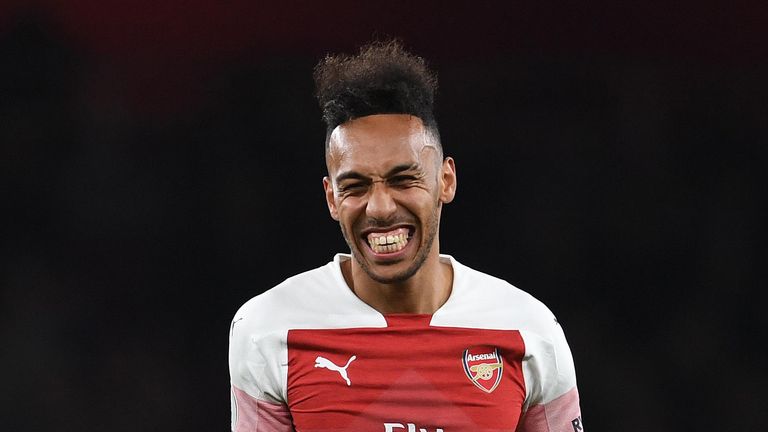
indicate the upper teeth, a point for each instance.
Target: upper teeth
{"x":388,"y":242}
{"x":387,"y":239}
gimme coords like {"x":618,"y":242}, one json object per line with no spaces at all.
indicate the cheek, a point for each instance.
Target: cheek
{"x":422,"y":200}
{"x":348,"y":208}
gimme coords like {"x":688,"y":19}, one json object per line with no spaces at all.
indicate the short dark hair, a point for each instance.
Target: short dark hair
{"x":382,"y":78}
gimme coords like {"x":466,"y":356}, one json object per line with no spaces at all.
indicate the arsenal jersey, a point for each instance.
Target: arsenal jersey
{"x":309,"y":356}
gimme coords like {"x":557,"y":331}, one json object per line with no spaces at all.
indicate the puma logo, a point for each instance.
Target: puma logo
{"x":323,"y":362}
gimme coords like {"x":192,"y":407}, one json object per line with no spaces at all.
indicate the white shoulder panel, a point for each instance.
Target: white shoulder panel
{"x":479,"y":300}
{"x":319,"y":298}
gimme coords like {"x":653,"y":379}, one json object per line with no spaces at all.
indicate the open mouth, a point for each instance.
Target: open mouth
{"x":390,"y":241}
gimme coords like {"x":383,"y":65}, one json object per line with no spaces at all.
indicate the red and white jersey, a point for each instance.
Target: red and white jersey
{"x":308,"y":355}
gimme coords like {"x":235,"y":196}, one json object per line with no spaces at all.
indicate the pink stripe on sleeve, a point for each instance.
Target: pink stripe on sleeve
{"x":254,"y":415}
{"x":560,"y":415}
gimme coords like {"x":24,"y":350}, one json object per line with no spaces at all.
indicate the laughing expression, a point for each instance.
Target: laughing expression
{"x":386,"y":185}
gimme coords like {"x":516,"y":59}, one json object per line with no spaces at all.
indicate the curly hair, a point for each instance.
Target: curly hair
{"x":382,"y":78}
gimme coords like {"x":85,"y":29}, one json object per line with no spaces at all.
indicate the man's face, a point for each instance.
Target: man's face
{"x":386,"y":185}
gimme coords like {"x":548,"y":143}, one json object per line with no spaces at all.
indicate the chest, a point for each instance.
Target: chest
{"x":405,"y":378}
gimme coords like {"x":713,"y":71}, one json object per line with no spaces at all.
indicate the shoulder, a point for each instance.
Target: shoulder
{"x":287,"y":292}
{"x":318,"y":298}
{"x":481,"y":300}
{"x":277,"y":307}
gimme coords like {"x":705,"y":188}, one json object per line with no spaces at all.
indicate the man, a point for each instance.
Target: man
{"x":395,"y":336}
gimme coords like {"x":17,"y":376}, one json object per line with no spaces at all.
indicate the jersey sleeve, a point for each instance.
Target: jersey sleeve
{"x":256,"y":366}
{"x":552,"y":399}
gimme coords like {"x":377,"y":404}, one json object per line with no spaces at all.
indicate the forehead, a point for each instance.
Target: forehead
{"x":375,"y":143}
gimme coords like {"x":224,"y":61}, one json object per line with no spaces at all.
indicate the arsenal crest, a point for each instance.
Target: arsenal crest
{"x":483,"y":366}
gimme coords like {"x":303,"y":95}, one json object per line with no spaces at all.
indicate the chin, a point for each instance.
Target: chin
{"x":390,"y":273}
{"x":391,"y":279}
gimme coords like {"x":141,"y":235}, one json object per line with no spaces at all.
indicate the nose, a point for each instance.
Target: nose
{"x":380,"y":205}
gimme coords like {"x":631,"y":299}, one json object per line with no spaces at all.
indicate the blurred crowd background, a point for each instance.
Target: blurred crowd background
{"x":161,"y":163}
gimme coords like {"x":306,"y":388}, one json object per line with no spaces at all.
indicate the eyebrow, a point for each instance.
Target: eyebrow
{"x":395,"y":170}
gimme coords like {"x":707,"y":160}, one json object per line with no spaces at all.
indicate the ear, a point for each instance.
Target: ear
{"x":447,"y":180}
{"x":330,"y":198}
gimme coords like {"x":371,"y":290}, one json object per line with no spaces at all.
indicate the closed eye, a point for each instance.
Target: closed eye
{"x":402,"y":180}
{"x":353,"y":188}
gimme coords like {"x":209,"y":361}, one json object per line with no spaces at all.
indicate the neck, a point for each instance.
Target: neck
{"x":422,"y":293}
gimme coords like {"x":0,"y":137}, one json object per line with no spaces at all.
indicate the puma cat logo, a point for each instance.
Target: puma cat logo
{"x":323,"y":362}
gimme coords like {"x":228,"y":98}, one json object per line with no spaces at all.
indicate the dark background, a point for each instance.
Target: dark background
{"x":161,"y":163}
